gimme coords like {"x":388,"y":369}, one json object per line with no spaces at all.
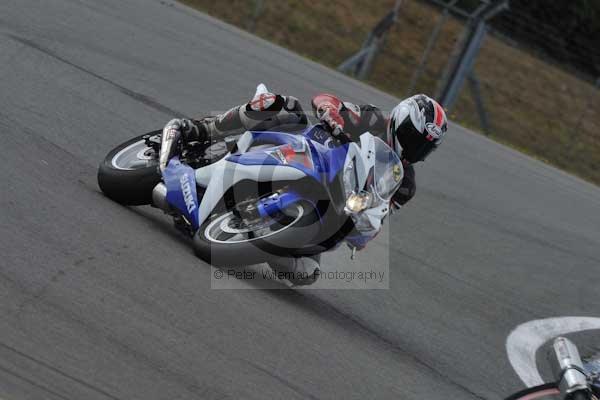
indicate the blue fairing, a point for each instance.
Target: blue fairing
{"x":327,"y":161}
{"x":331,"y":159}
{"x":180,"y":181}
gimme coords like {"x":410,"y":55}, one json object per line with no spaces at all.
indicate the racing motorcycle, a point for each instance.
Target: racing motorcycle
{"x":262,"y":194}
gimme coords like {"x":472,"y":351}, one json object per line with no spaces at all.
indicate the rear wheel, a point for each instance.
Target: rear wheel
{"x":130,"y":171}
{"x":229,"y":240}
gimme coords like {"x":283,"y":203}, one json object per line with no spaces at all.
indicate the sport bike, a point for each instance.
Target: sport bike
{"x":248,"y":198}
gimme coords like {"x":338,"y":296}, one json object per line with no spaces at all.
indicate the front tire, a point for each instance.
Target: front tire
{"x":220,"y":242}
{"x":545,"y":391}
{"x":129,"y":172}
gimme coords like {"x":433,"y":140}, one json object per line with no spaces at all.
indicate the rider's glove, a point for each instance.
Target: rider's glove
{"x":332,"y":119}
{"x":327,"y":110}
{"x":407,"y":189}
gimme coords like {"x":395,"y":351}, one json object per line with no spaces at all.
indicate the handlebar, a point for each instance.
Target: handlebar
{"x":572,"y":376}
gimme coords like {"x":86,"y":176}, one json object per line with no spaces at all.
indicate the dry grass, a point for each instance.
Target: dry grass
{"x":536,"y":107}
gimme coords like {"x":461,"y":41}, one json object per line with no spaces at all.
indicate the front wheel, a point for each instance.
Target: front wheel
{"x":228,"y":240}
{"x":129,"y":172}
{"x":547,"y":391}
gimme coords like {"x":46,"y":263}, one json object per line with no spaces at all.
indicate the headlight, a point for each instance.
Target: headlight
{"x":357,"y":202}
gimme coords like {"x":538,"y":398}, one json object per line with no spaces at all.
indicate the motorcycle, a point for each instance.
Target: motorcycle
{"x":247,"y":199}
{"x":576,"y":380}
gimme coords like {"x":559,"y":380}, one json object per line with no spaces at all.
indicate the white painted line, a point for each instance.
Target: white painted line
{"x":527,"y":338}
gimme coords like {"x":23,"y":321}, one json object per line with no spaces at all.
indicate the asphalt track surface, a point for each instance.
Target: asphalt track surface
{"x":100,"y":301}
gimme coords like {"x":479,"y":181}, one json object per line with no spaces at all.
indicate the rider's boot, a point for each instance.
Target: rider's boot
{"x":265,"y":111}
{"x":298,"y":270}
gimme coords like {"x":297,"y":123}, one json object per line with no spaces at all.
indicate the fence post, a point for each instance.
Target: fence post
{"x":361,"y":62}
{"x":258,"y":8}
{"x":476,"y":92}
{"x":589,"y":105}
{"x":377,"y":37}
{"x":429,"y":47}
{"x":458,"y":69}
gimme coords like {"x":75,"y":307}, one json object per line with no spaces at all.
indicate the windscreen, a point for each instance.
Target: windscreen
{"x":388,"y":170}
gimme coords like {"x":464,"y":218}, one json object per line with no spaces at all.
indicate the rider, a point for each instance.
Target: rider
{"x":414,"y":129}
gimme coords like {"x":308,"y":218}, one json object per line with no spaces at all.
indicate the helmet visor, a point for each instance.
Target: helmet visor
{"x":415,"y":146}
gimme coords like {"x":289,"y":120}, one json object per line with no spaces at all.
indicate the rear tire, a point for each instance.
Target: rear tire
{"x":130,"y":187}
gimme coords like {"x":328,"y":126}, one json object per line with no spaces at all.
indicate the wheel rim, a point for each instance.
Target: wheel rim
{"x":229,"y":228}
{"x":135,"y":156}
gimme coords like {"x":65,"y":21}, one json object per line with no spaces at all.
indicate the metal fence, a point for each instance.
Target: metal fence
{"x":431,"y":46}
{"x":460,"y":63}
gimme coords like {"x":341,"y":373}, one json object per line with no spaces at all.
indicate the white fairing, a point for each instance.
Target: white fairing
{"x":375,"y":216}
{"x":368,"y":221}
{"x":244,"y":142}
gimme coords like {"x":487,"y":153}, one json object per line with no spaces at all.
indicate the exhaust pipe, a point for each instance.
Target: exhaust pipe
{"x":159,"y":198}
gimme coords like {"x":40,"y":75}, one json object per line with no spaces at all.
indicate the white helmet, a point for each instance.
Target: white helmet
{"x":416,"y":127}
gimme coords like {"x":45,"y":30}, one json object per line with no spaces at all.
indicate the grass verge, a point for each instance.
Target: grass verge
{"x":534,"y":106}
